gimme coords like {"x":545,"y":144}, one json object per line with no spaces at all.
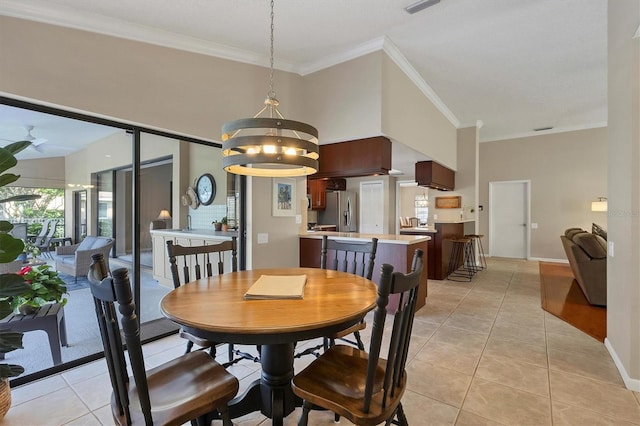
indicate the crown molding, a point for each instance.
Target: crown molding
{"x":546,"y":132}
{"x":399,"y":59}
{"x":360,"y":50}
{"x":71,"y":18}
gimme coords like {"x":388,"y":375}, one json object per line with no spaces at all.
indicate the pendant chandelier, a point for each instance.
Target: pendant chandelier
{"x":268,"y":145}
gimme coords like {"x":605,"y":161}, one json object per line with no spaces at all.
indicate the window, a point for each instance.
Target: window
{"x":422,"y":207}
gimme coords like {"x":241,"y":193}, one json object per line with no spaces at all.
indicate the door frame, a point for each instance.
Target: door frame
{"x":527,"y":235}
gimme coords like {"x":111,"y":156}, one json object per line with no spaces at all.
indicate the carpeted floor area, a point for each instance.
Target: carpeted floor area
{"x":562,"y":297}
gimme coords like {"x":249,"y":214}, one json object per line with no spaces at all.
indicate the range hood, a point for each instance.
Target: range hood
{"x":434,"y":175}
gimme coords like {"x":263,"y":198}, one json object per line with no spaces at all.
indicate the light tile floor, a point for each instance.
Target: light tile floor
{"x":483,"y":353}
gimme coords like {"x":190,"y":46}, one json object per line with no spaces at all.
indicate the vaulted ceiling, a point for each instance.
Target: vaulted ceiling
{"x":515,"y":65}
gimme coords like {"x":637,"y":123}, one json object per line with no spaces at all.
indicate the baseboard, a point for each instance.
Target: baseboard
{"x":544,"y":259}
{"x":631,"y":384}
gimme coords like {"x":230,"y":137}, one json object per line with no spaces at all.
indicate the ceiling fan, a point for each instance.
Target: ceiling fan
{"x":35,"y":142}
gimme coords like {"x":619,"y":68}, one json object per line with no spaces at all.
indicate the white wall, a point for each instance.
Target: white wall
{"x":623,"y":270}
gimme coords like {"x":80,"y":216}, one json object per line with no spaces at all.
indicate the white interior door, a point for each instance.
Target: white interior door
{"x":509,"y":219}
{"x":371,"y":214}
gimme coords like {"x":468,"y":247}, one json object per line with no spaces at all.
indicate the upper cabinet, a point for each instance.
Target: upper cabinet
{"x":316,"y":189}
{"x":434,"y":175}
{"x":361,"y":157}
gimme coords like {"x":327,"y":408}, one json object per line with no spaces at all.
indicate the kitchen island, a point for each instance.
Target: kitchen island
{"x":184,"y":237}
{"x":396,"y":250}
{"x":440,"y":244}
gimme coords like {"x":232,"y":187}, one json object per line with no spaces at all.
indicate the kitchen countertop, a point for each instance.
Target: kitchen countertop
{"x":196,"y":233}
{"x":353,"y":236}
{"x":454,"y":221}
{"x":422,"y":230}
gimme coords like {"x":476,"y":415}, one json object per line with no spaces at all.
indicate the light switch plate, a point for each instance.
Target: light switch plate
{"x":534,"y":225}
{"x":611,"y":248}
{"x":263,"y":238}
{"x":298,"y":219}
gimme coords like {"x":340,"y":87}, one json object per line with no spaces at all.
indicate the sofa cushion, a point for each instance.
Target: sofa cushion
{"x":569,"y":233}
{"x":91,"y":242}
{"x":593,"y":245}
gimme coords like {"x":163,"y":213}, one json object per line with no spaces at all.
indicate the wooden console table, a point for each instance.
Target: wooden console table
{"x":49,"y":318}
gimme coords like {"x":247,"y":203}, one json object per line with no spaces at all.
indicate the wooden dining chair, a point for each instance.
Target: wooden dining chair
{"x":189,"y":388}
{"x":365,"y":387}
{"x":353,"y":257}
{"x":189,"y":263}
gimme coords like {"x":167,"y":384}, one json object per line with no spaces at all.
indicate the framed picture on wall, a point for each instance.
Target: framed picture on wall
{"x":283,"y":195}
{"x":454,"y":202}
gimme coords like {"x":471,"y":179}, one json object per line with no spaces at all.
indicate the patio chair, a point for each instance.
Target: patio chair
{"x":45,"y":242}
{"x":76,"y":259}
{"x":364,"y":387}
{"x":39,"y":239}
{"x":184,"y":389}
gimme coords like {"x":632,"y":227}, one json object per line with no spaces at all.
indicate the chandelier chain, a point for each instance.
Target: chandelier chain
{"x":272,"y":93}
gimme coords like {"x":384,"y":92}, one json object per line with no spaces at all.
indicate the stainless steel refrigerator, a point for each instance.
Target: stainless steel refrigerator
{"x":341,"y":210}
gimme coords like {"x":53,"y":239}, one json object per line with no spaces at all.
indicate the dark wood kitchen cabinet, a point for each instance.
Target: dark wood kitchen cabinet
{"x":316,"y":188}
{"x":361,"y":157}
{"x":316,"y":191}
{"x":434,"y":175}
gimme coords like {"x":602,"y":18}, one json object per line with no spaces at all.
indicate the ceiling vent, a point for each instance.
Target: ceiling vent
{"x":421,"y":5}
{"x":541,"y":129}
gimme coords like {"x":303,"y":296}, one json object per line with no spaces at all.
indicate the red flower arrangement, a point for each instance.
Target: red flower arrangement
{"x":45,"y":286}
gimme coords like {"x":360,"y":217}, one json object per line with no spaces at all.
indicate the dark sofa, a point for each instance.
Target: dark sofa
{"x":587,"y":254}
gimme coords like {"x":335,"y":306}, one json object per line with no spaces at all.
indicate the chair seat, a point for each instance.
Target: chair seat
{"x":342,"y":333}
{"x":191,"y":381}
{"x":204,"y":343}
{"x":337,"y":378}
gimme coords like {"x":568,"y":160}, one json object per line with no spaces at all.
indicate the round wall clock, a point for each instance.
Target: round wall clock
{"x":206,"y":189}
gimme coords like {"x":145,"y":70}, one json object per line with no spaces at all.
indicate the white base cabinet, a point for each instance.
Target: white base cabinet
{"x":159,"y":238}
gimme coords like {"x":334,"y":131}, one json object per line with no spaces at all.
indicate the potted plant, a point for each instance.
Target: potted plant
{"x":217,"y":225}
{"x":45,"y":286}
{"x":11,"y":284}
{"x":224,"y":226}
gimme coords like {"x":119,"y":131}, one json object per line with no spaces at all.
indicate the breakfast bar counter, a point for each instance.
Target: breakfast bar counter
{"x":396,"y":250}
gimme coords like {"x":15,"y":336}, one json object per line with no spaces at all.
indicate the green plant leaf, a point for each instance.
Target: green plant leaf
{"x":16,"y":147}
{"x":5,"y":226}
{"x":10,"y":248}
{"x":12,"y":285}
{"x":10,"y":370}
{"x":10,"y":340}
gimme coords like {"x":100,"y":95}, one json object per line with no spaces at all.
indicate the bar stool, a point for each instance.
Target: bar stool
{"x":462,"y":260}
{"x":476,"y":240}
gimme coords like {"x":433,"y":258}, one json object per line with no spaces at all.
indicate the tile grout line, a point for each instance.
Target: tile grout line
{"x":473,"y":376}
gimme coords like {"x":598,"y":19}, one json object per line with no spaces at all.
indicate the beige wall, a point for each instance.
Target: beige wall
{"x":46,"y":173}
{"x":343,"y":102}
{"x":410,"y":118}
{"x":467,"y":174}
{"x":623,"y":270}
{"x":567,"y":171}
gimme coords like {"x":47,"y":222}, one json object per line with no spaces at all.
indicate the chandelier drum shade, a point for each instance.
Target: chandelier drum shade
{"x":270,"y":146}
{"x":261,"y":147}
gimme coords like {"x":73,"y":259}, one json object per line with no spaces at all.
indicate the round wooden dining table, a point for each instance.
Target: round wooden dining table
{"x":215,"y":308}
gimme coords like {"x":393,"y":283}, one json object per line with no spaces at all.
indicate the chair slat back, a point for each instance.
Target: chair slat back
{"x":106,"y":291}
{"x":406,"y":286}
{"x":43,"y":232}
{"x":200,"y":260}
{"x":352,"y":257}
{"x":46,"y":240}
